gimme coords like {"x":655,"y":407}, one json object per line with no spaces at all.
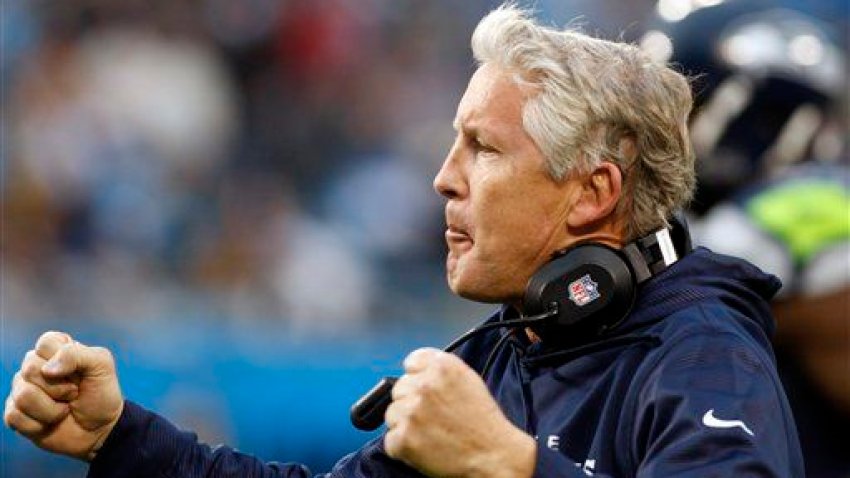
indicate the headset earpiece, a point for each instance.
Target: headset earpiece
{"x":593,"y":286}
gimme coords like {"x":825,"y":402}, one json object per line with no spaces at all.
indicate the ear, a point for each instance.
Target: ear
{"x":598,"y":196}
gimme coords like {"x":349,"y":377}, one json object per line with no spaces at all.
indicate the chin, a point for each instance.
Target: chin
{"x":484,"y":293}
{"x":474,"y":279}
{"x":478,"y":297}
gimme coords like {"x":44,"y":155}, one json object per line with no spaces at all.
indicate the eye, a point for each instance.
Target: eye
{"x":481,"y":146}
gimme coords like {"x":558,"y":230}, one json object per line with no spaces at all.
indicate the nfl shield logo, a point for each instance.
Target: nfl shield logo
{"x":583,"y":290}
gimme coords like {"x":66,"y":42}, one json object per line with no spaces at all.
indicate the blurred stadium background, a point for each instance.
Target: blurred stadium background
{"x":235,"y":197}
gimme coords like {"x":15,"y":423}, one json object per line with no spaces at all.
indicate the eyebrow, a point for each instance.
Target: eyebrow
{"x":468,"y":130}
{"x":481,"y":136}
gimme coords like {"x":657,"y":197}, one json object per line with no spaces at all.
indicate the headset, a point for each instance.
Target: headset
{"x":584,"y":292}
{"x":593,"y":286}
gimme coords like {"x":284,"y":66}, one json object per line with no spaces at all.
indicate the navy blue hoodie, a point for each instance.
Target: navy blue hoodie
{"x":686,"y":386}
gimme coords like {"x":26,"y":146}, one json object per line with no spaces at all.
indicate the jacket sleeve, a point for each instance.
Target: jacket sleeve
{"x":145,"y":445}
{"x":714,"y":406}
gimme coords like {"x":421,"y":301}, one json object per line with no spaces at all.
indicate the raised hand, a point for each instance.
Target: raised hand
{"x":66,"y":398}
{"x":444,"y":422}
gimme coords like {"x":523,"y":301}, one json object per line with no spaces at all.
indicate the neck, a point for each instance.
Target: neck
{"x":610,"y":230}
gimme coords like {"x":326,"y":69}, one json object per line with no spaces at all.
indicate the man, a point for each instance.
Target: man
{"x":562,"y":139}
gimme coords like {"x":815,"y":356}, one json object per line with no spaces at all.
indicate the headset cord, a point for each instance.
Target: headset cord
{"x":491,"y":358}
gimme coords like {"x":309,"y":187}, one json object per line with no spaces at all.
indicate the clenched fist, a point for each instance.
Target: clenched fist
{"x":444,"y":422}
{"x":66,"y":397}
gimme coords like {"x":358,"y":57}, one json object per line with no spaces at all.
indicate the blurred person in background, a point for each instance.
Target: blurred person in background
{"x":770,"y":128}
{"x":119,"y":133}
{"x":798,"y":225}
{"x":559,"y":142}
{"x":769,"y":88}
{"x":112,"y":172}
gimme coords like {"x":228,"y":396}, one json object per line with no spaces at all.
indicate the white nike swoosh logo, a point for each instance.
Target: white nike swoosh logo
{"x":710,"y":420}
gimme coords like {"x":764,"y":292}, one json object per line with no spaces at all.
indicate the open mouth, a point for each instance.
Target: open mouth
{"x":456,"y":235}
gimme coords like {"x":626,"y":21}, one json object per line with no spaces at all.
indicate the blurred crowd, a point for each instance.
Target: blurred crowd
{"x":264,"y":162}
{"x":259,"y":160}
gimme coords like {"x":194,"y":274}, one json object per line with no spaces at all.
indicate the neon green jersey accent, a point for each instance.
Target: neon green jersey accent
{"x":806,"y":215}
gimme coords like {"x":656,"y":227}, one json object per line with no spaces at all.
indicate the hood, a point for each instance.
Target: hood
{"x":704,"y":275}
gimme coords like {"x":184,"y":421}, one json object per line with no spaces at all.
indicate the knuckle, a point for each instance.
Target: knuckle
{"x":411,"y":404}
{"x":104,"y":358}
{"x":391,"y":443}
{"x":390,"y":416}
{"x":30,"y":370}
{"x":104,"y":354}
{"x":418,"y":412}
{"x":425,"y":388}
{"x":52,"y":336}
{"x":64,"y":392}
{"x":10,"y":417}
{"x":23,"y":395}
{"x":15,"y":419}
{"x":411,"y":360}
{"x":450,"y":368}
{"x":403,"y":416}
{"x":400,"y":421}
{"x":405,"y":442}
{"x":56,"y":335}
{"x":399,"y":386}
{"x":30,"y":356}
{"x":442,"y":363}
{"x":401,"y":436}
{"x":419,"y":358}
{"x":66,"y":351}
{"x":45,"y":337}
{"x":445,"y":361}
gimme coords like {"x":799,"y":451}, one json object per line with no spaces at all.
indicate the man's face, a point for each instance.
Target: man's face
{"x":505,"y":215}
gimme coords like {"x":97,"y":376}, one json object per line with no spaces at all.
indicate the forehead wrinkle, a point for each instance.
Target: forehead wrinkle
{"x":484,"y":110}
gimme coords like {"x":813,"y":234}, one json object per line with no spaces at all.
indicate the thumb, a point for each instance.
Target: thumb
{"x":75,"y":357}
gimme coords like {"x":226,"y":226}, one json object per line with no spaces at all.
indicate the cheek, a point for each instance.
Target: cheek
{"x":501,"y":260}
{"x":523,"y":234}
{"x":514,"y":228}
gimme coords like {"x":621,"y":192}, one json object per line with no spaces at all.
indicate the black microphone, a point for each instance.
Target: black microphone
{"x":367,"y":413}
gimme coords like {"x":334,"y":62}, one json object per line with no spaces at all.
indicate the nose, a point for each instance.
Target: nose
{"x":450,"y":181}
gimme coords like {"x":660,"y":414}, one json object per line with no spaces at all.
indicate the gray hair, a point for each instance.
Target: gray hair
{"x":590,"y":95}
